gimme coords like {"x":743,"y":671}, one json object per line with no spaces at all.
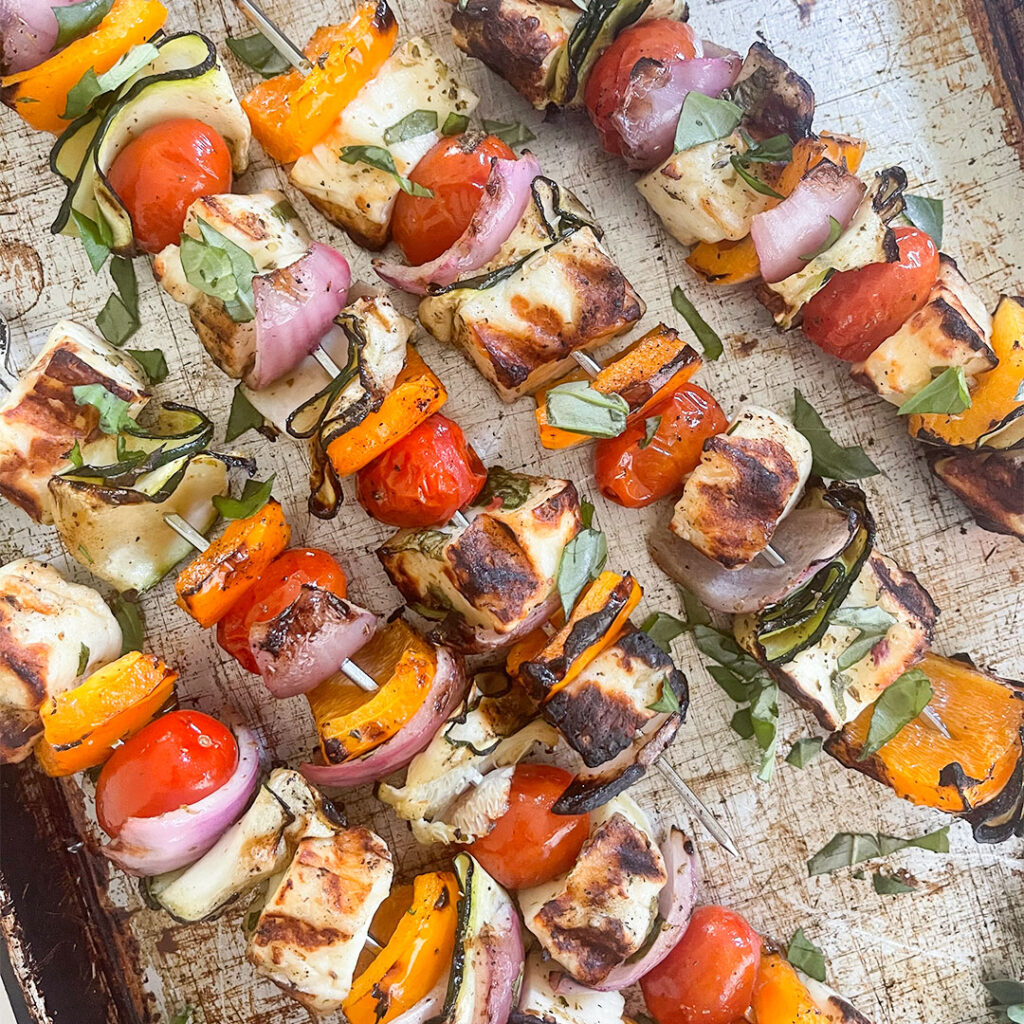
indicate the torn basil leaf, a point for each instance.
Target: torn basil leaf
{"x":889,"y":885}
{"x":377,"y":156}
{"x":759,"y":186}
{"x":90,"y":87}
{"x":512,"y":133}
{"x":695,"y":612}
{"x":129,"y":617}
{"x":845,"y":849}
{"x":804,"y":751}
{"x":901,"y":702}
{"x":582,"y":560}
{"x":709,"y":340}
{"x":578,"y":407}
{"x":255,"y":494}
{"x":113,"y":411}
{"x":587,"y":514}
{"x":1006,"y":993}
{"x":83,"y":658}
{"x":283,"y":211}
{"x":96,"y":238}
{"x":667,"y":701}
{"x":805,"y":956}
{"x":153,"y":363}
{"x":831,"y":460}
{"x":663,"y":628}
{"x":258,"y":53}
{"x":511,"y":489}
{"x":413,"y":125}
{"x":115,"y":322}
{"x":835,"y":229}
{"x":74,"y":456}
{"x":704,"y":119}
{"x":925,"y":213}
{"x":218,"y":267}
{"x":651,"y":425}
{"x":776,"y":150}
{"x":77,"y":20}
{"x":454,"y":124}
{"x":242,"y":416}
{"x":947,"y":394}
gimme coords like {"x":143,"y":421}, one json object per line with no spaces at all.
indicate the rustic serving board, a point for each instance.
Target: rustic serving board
{"x":932,"y":86}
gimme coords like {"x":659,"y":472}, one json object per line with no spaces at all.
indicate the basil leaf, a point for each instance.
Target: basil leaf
{"x":377,"y":156}
{"x":651,"y":425}
{"x":258,"y":53}
{"x":889,"y":885}
{"x":74,"y":456}
{"x":804,"y":751}
{"x":764,"y":715}
{"x":153,"y":363}
{"x":805,"y":956}
{"x":128,"y":613}
{"x":667,"y":701}
{"x":512,"y":489}
{"x":742,"y":724}
{"x":255,"y":495}
{"x":283,"y":211}
{"x":1015,"y":1013}
{"x":704,"y":119}
{"x":578,"y":407}
{"x":582,"y":560}
{"x":738,"y":689}
{"x":926,"y":214}
{"x":695,"y":612}
{"x":218,"y":267}
{"x":116,"y":322}
{"x":242,"y":416}
{"x":948,"y":393}
{"x":113,"y":411}
{"x":454,"y":124}
{"x":835,"y":229}
{"x":901,"y":702}
{"x":122,"y":273}
{"x":723,"y":649}
{"x":710,"y":342}
{"x":184,"y":1016}
{"x":1005,"y":991}
{"x":83,"y":658}
{"x":77,"y":20}
{"x":96,"y":238}
{"x":90,"y":87}
{"x":831,"y":460}
{"x":586,"y":514}
{"x":740,"y":165}
{"x":845,"y":849}
{"x":663,"y":628}
{"x":512,"y":133}
{"x":776,"y":150}
{"x":413,"y":125}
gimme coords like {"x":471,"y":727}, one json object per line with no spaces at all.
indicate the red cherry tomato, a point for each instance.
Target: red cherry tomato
{"x":633,"y":472}
{"x":709,"y":977}
{"x":858,"y":309}
{"x":660,"y":39}
{"x":278,"y":586}
{"x":455,"y":170}
{"x":176,"y":760}
{"x":424,"y":479}
{"x":160,"y":172}
{"x":529,"y":844}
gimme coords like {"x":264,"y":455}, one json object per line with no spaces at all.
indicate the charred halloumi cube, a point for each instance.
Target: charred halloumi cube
{"x":359,"y":197}
{"x":52,"y":632}
{"x":40,"y":420}
{"x":746,"y":483}
{"x":519,"y":328}
{"x":314,"y":925}
{"x":951,"y":329}
{"x":496,"y":577}
{"x":599,"y":914}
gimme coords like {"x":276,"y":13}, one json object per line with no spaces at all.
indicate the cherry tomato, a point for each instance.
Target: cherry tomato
{"x":660,"y":39}
{"x":634,"y":472}
{"x":424,"y":479}
{"x":709,"y":977}
{"x":529,"y":844}
{"x":161,"y":171}
{"x":278,"y":586}
{"x":176,"y":760}
{"x":858,"y":309}
{"x":455,"y":170}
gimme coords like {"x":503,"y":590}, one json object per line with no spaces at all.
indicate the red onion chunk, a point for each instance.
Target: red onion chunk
{"x":427,"y":1008}
{"x":503,"y":964}
{"x":800,"y":224}
{"x":28,"y":33}
{"x":454,"y":631}
{"x":506,"y":193}
{"x":807,"y":538}
{"x":151,"y":846}
{"x":295,"y":307}
{"x":446,"y":690}
{"x":307,"y":642}
{"x":675,"y":903}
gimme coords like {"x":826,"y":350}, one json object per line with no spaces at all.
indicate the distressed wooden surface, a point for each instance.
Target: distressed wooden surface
{"x":911,"y":77}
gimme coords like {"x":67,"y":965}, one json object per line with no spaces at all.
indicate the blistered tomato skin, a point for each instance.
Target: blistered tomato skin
{"x":162,"y":171}
{"x":709,"y":976}
{"x":635,"y":472}
{"x":455,"y":170}
{"x":174,"y":761}
{"x":858,"y":309}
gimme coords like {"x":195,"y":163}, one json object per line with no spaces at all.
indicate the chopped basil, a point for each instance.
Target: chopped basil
{"x":218,"y":267}
{"x":704,"y":119}
{"x":845,"y":849}
{"x":512,"y":489}
{"x":512,"y":133}
{"x":1015,"y":1014}
{"x":835,"y":229}
{"x":77,"y":20}
{"x":947,"y":393}
{"x":805,"y":956}
{"x":84,"y":552}
{"x":926,"y":214}
{"x":74,"y":456}
{"x":186,"y":1014}
{"x":1007,"y":995}
{"x":258,"y":53}
{"x":578,"y":407}
{"x":831,"y":460}
{"x":710,"y":342}
{"x":128,"y":613}
{"x":113,"y":411}
{"x":255,"y":494}
{"x":587,"y":514}
{"x":582,"y":560}
{"x":871,"y":623}
{"x":83,"y":658}
{"x":434,"y":614}
{"x":889,"y":885}
{"x":242,"y":416}
{"x":651,"y":425}
{"x":377,"y":156}
{"x":695,"y":612}
{"x":756,"y":184}
{"x":901,"y":702}
{"x":413,"y":125}
{"x":776,"y":150}
{"x":283,"y":211}
{"x":116,"y":322}
{"x":152,"y":362}
{"x":663,"y":628}
{"x":122,"y":273}
{"x":454,"y":124}
{"x":90,"y":87}
{"x":804,"y":751}
{"x":667,"y":701}
{"x":96,"y":238}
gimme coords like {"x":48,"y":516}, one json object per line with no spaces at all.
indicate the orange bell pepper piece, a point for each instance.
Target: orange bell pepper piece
{"x":416,"y":396}
{"x":213,"y":581}
{"x":81,"y":726}
{"x":414,"y":960}
{"x":291,"y":113}
{"x":780,"y":997}
{"x":730,"y":262}
{"x":41,"y":93}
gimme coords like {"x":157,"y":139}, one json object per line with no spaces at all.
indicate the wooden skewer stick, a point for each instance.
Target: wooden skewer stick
{"x":275,"y":36}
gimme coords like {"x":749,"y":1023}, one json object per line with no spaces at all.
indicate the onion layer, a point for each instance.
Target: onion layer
{"x":28,"y":33}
